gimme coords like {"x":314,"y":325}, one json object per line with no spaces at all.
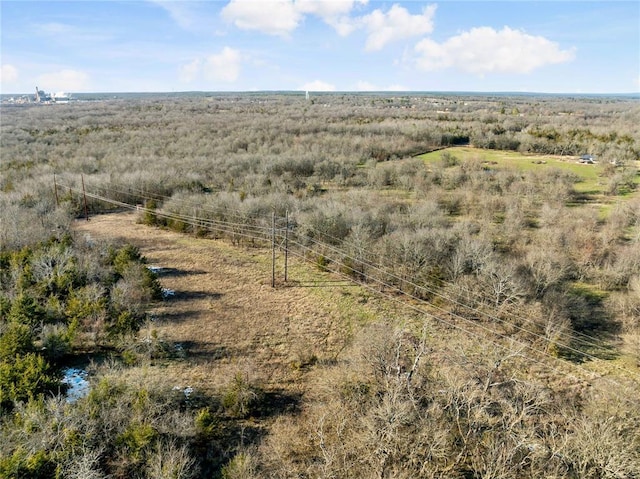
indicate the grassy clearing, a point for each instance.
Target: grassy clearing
{"x":227,"y":317}
{"x":592,"y":181}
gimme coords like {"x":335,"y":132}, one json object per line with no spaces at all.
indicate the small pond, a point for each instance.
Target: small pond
{"x":77,"y":383}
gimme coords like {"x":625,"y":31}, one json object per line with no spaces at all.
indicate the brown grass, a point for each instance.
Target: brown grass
{"x":225,"y":313}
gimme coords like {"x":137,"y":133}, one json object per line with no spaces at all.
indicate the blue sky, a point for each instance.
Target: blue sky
{"x":330,"y":45}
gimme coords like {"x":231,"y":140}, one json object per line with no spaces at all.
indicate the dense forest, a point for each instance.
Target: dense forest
{"x":532,"y":265}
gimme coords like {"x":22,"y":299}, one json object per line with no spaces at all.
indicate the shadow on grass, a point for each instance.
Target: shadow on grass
{"x":189,"y":295}
{"x":277,"y":402}
{"x":233,"y":435}
{"x":589,"y":347}
{"x":179,"y":316}
{"x":174,"y":272}
{"x":202,"y":350}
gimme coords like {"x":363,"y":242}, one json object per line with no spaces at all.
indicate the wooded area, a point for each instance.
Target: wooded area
{"x":532,"y":265}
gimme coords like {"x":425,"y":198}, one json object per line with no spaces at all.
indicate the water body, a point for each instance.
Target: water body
{"x":77,"y":383}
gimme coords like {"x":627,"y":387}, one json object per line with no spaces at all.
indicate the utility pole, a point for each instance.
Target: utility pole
{"x":84,"y":196}
{"x":286,"y":246}
{"x":55,"y":189}
{"x":273,"y":249}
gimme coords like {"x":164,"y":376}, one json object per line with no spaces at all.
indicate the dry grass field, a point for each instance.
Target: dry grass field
{"x":225,"y":314}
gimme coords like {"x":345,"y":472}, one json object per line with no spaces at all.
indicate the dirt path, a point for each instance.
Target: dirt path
{"x":224,"y":312}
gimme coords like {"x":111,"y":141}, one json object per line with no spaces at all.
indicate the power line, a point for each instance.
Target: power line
{"x":224,"y":227}
{"x":260,"y":233}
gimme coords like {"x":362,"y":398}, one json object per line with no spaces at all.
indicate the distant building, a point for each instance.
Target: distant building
{"x":61,"y":97}
{"x":42,"y":96}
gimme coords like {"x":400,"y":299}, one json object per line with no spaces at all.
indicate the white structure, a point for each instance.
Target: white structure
{"x":44,"y":97}
{"x":61,"y":97}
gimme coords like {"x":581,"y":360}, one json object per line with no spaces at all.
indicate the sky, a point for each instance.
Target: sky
{"x":320,"y":45}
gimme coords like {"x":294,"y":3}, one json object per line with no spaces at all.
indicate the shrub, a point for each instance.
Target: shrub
{"x":5,"y":307}
{"x":136,"y":438}
{"x":241,"y":398}
{"x":56,"y":340}
{"x":322,"y":262}
{"x":15,"y":339}
{"x":207,"y":424}
{"x":242,"y":466}
{"x":25,"y":309}
{"x":122,"y":258}
{"x":25,"y":377}
{"x":25,"y":465}
{"x":170,"y":461}
{"x":125,"y":324}
{"x":448,"y":159}
{"x":87,"y":307}
{"x":148,"y":216}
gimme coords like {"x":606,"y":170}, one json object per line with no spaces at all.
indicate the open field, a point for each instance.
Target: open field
{"x":592,"y":176}
{"x":225,"y":313}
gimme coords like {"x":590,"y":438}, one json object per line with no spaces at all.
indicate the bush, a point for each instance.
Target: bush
{"x":56,"y":341}
{"x":25,"y":309}
{"x":24,"y":465}
{"x":122,"y":258}
{"x":148,"y":216}
{"x":207,"y":424}
{"x":25,"y":377}
{"x":448,"y":159}
{"x":242,"y":466}
{"x":15,"y":339}
{"x":136,"y":438}
{"x":241,"y":398}
{"x":125,"y":324}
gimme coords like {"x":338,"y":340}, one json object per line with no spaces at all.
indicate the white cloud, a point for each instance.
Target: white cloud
{"x":317,"y":85}
{"x":190,"y":71}
{"x":366,"y":86}
{"x":8,"y":74}
{"x":64,"y":80}
{"x":344,"y":25}
{"x":274,"y":17}
{"x":181,"y":12}
{"x":334,"y":12}
{"x":327,"y":9}
{"x":396,"y":24}
{"x":485,"y":50}
{"x":223,"y":67}
{"x":281,"y":17}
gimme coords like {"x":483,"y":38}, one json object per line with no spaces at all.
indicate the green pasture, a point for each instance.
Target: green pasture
{"x":591,"y":182}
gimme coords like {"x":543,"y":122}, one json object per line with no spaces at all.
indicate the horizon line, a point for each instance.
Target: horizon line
{"x":330,"y":92}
